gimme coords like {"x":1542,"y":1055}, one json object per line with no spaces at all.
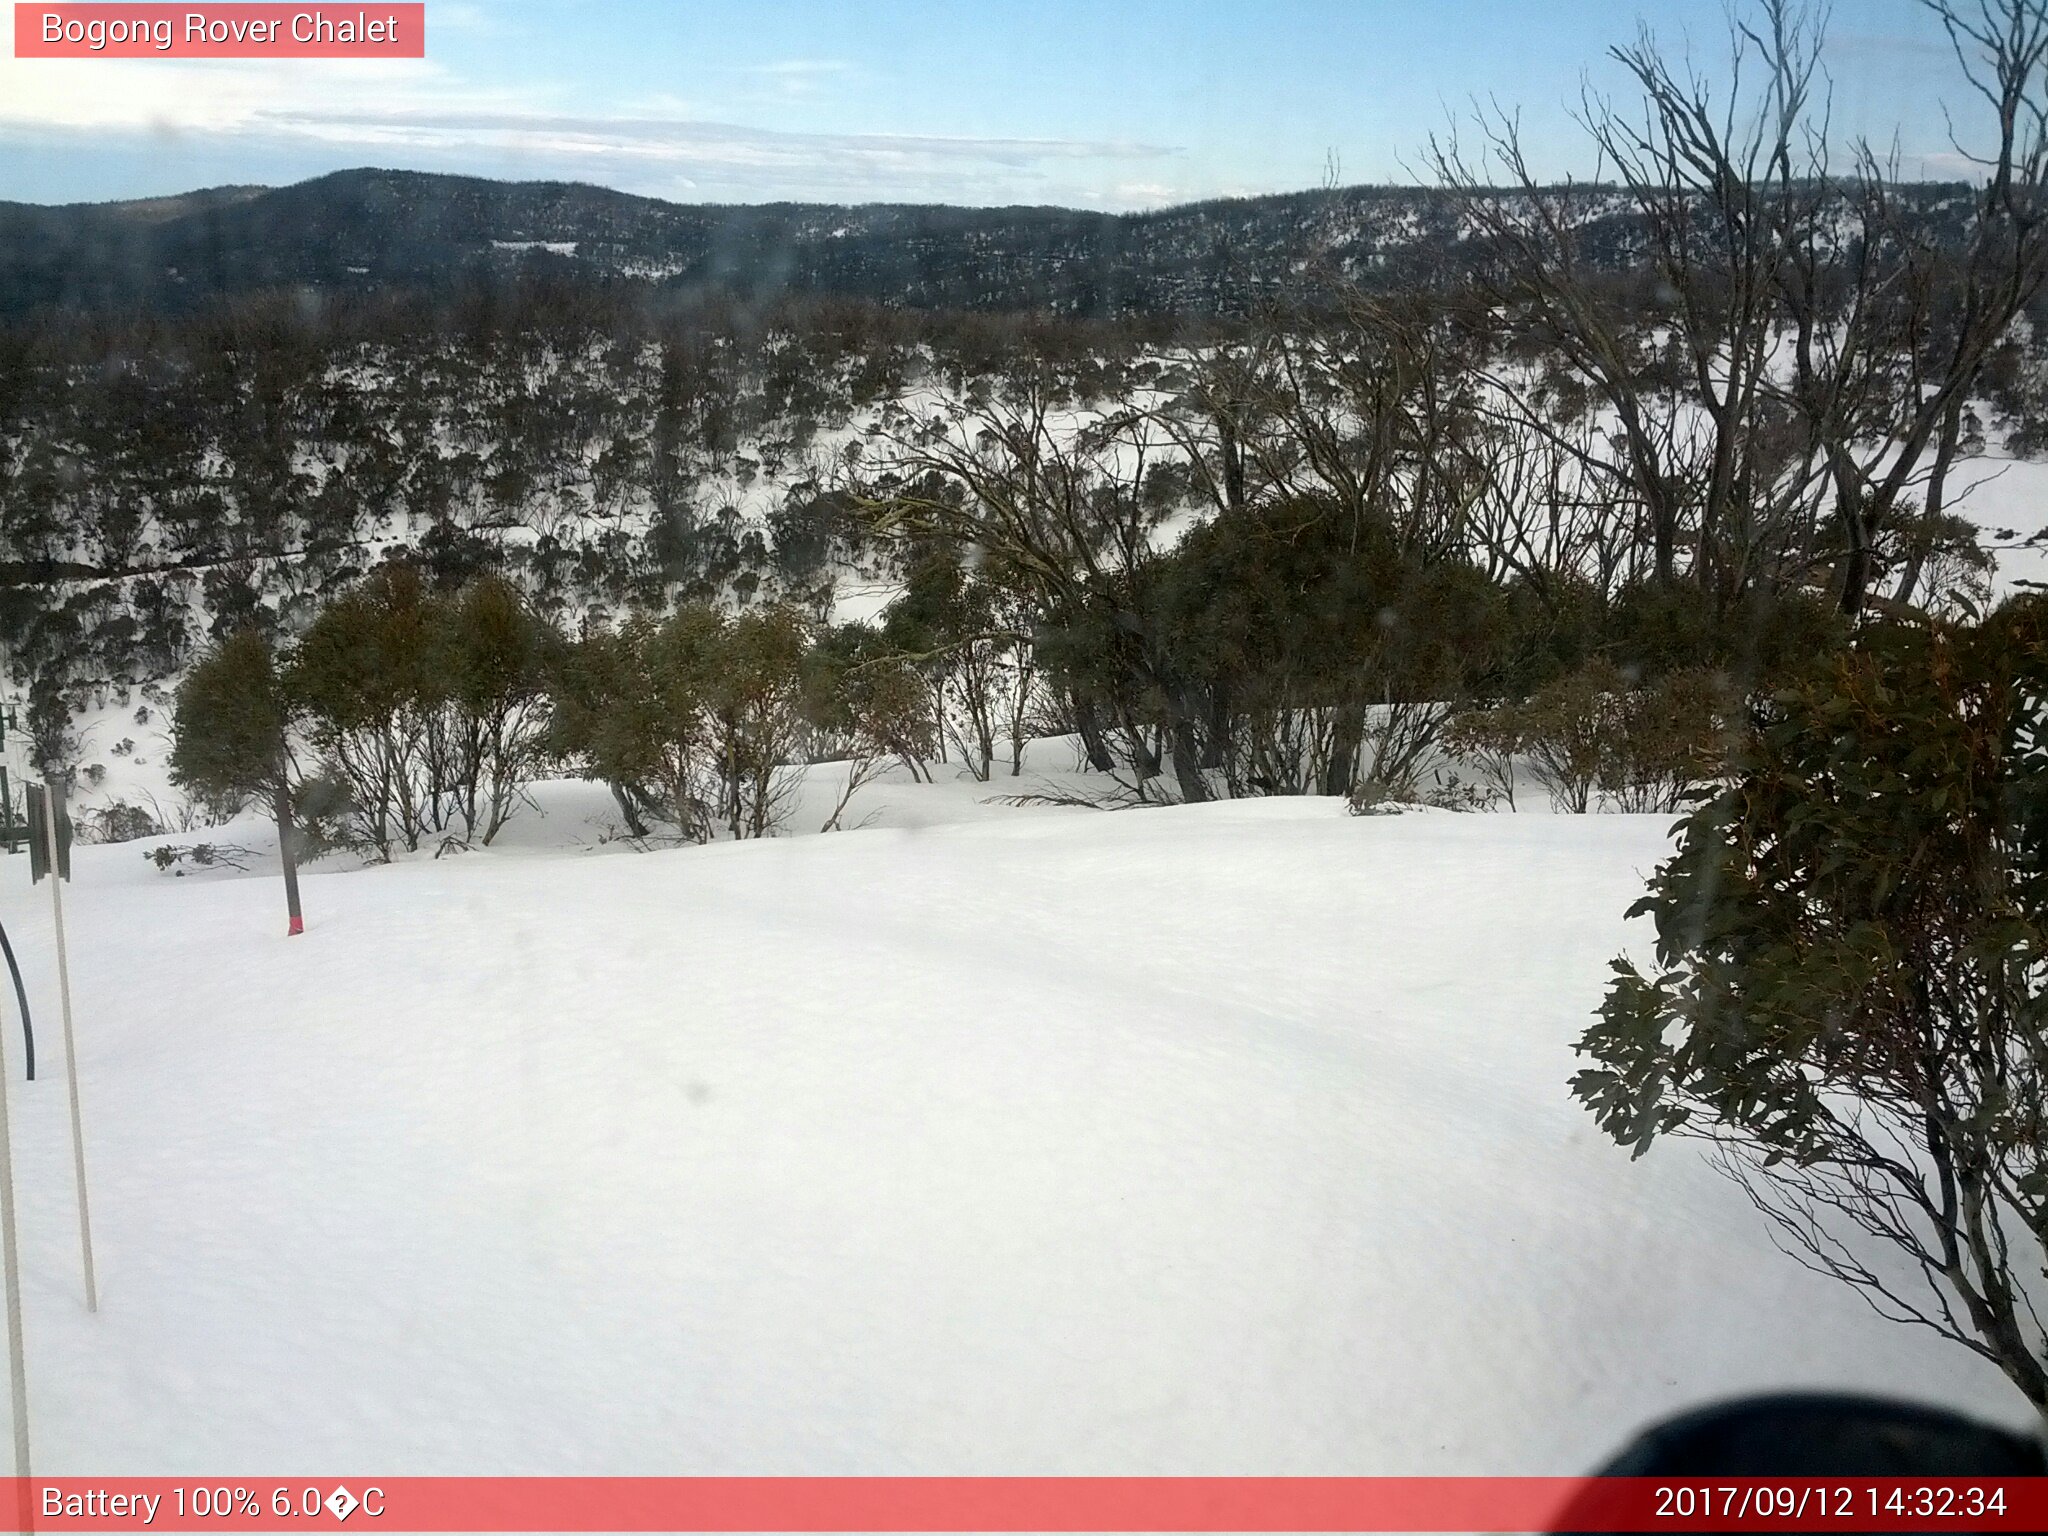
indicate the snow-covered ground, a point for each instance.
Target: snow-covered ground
{"x":2007,"y":498}
{"x":985,"y":1139}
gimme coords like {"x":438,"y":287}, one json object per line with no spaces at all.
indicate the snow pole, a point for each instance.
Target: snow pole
{"x":10,"y":1259}
{"x":92,"y":1291}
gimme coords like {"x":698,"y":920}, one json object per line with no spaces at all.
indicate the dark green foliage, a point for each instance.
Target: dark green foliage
{"x":866,"y":700}
{"x":961,"y":632}
{"x":697,"y":717}
{"x":611,"y":712}
{"x":756,"y":706}
{"x":486,"y":658}
{"x":486,"y":648}
{"x":1651,"y":629}
{"x":809,"y":531}
{"x":233,"y":744}
{"x":1549,"y":629}
{"x":1851,"y":993}
{"x":363,"y":662}
{"x":429,"y":707}
{"x":233,"y":718}
{"x":1291,"y":620}
{"x":1594,"y":735}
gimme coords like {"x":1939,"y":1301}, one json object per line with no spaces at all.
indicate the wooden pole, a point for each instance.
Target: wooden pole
{"x":92,"y":1290}
{"x":287,"y":853}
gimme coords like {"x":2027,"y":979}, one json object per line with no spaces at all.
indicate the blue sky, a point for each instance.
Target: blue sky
{"x":1111,"y":104}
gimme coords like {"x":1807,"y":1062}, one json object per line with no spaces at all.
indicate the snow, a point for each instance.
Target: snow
{"x":986,"y":1139}
{"x":2007,"y":498}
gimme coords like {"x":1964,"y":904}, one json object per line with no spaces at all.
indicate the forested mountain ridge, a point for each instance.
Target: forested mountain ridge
{"x":370,"y":231}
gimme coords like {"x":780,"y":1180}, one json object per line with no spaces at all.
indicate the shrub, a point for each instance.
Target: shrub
{"x":1850,"y":999}
{"x":117,"y":823}
{"x":361,"y":673}
{"x":233,"y":741}
{"x":1663,"y":740}
{"x":1588,"y":737}
{"x":430,"y":708}
{"x":697,"y":717}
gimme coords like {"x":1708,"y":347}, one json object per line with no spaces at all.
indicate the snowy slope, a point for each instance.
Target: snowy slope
{"x":2008,"y":499}
{"x":1227,"y":1138}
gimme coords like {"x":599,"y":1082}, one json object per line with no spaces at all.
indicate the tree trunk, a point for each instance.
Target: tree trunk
{"x":1233,"y":467}
{"x":1937,"y":498}
{"x":1216,"y":733}
{"x":1346,"y":741}
{"x":628,"y":809}
{"x":1187,"y":761}
{"x":1664,"y":537}
{"x":1855,"y":579}
{"x":1093,"y":742}
{"x":1857,"y":530}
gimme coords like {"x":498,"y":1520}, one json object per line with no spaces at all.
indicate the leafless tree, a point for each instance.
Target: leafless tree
{"x":1061,"y":500}
{"x":1792,"y":372}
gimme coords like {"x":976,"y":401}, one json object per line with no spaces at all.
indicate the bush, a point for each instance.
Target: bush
{"x":1762,"y":639}
{"x":1376,"y":797}
{"x":1664,"y":740}
{"x":630,"y":710}
{"x":170,"y":857}
{"x":430,"y":708}
{"x":1851,"y":993}
{"x":233,"y":719}
{"x":1588,"y":737}
{"x":1547,"y":631}
{"x":867,"y":700}
{"x":233,"y":745}
{"x":756,"y":706}
{"x":361,"y":674}
{"x":487,"y":655}
{"x":698,"y":717}
{"x":117,"y":823}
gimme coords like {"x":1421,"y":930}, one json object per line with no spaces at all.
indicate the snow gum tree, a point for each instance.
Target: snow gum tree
{"x":977,"y":657}
{"x":361,"y":671}
{"x":697,"y":718}
{"x":867,"y":702}
{"x":1850,"y":1003}
{"x":487,"y":655}
{"x":1790,"y":414}
{"x":758,"y":717}
{"x":233,"y":741}
{"x":630,"y":708}
{"x":430,"y":707}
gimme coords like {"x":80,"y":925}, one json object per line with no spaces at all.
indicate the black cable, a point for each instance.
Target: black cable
{"x":28,"y":1035}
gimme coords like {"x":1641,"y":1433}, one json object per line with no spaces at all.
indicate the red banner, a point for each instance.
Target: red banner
{"x":359,"y":31}
{"x":1061,"y":1504}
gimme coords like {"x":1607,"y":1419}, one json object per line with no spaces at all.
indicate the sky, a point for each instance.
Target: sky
{"x":1115,"y":104}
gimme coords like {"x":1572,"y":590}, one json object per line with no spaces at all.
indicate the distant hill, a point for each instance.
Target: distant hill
{"x":371,"y":230}
{"x":366,"y":230}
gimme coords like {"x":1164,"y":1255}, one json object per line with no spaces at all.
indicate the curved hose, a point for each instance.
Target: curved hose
{"x":28,"y":1035}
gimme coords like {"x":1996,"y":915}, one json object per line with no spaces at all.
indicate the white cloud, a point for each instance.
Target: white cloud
{"x":207,"y":96}
{"x":400,"y":111}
